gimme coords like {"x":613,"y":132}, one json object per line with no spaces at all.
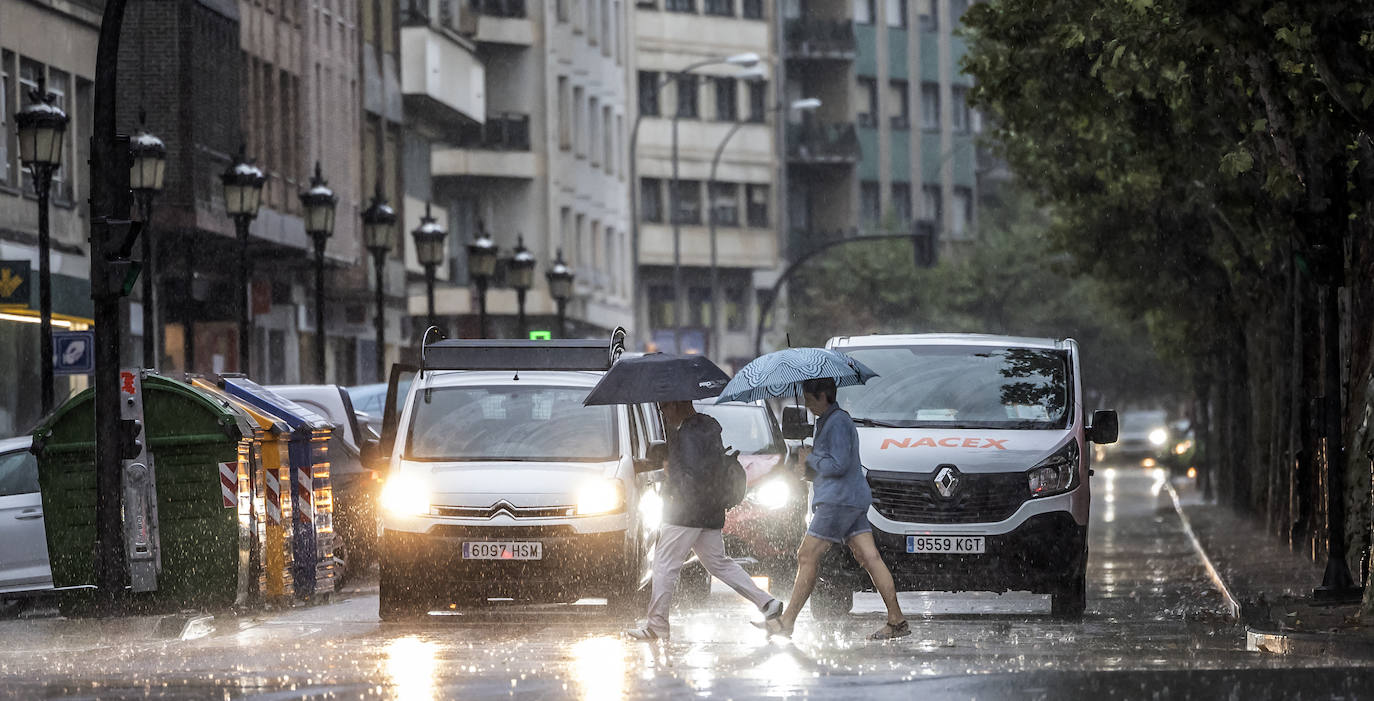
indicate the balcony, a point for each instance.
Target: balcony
{"x":440,"y":72}
{"x":820,"y":39}
{"x":817,"y":142}
{"x":498,"y":148}
{"x":510,"y":9}
{"x":499,"y":22}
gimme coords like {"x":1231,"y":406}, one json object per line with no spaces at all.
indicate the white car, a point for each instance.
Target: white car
{"x":503,"y":485}
{"x":976,"y":450}
{"x":23,"y":542}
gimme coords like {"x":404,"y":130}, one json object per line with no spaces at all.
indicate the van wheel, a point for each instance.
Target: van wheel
{"x":1070,"y":599}
{"x":831,"y":599}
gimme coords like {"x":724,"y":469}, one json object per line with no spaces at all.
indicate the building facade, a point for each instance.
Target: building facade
{"x":524,"y":138}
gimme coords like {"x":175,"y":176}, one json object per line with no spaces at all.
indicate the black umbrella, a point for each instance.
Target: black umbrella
{"x":657,"y":377}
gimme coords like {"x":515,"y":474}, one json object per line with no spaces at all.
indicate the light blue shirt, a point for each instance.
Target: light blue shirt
{"x":835,"y":458}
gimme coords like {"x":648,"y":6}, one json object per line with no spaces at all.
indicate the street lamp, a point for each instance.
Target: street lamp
{"x":147,"y":168}
{"x":379,"y":237}
{"x":481,"y":267}
{"x":745,"y":60}
{"x":803,"y":105}
{"x":319,"y":203}
{"x":429,"y":249}
{"x":42,"y":126}
{"x":522,"y":279}
{"x":560,"y":278}
{"x":243,"y":183}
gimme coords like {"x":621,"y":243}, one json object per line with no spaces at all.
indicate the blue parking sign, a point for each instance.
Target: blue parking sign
{"x":73,"y":352}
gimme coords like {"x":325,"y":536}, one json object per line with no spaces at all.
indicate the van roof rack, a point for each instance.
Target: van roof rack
{"x":521,"y":354}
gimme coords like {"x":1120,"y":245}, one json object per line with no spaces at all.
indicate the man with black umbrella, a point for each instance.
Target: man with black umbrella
{"x":693,"y":516}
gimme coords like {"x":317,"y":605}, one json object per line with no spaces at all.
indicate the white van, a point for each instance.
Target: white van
{"x":503,"y":485}
{"x":976,"y":450}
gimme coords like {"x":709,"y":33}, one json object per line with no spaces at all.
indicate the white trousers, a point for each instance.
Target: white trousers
{"x":674,"y":543}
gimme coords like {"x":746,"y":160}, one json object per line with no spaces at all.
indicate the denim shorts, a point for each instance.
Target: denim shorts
{"x":837,"y":523}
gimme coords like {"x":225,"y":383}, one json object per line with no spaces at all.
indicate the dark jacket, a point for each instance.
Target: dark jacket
{"x":692,"y":496}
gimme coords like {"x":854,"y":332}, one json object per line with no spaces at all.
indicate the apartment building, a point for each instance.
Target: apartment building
{"x":727,"y":172}
{"x":52,"y":45}
{"x":524,"y":138}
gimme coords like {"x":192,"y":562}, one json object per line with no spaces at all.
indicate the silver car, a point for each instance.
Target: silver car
{"x":23,"y":542}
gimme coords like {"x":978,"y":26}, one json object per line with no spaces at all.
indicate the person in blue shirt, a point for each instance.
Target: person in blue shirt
{"x":839,"y":510}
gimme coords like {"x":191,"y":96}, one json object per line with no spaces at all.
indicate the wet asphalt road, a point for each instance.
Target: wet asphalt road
{"x":1155,"y":628}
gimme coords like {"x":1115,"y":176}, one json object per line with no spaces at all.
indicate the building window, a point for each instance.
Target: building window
{"x":564,"y":114}
{"x":896,"y":13}
{"x":927,"y":16}
{"x":607,"y":145}
{"x":758,"y":100}
{"x":901,"y":204}
{"x":607,"y":26}
{"x":932,"y":204}
{"x":560,"y":9}
{"x":5,"y":128}
{"x":957,"y":8}
{"x":870,"y":204}
{"x":688,"y":204}
{"x":963,"y":213}
{"x":757,"y":205}
{"x":680,"y":5}
{"x":734,"y":308}
{"x":863,"y":11}
{"x":699,"y":306}
{"x":594,"y":128}
{"x":687,"y":96}
{"x":930,"y":106}
{"x":651,"y":200}
{"x":648,"y":93}
{"x":725,"y":203}
{"x":646,"y":4}
{"x":720,"y":8}
{"x":727,"y":97}
{"x":591,"y":21}
{"x":959,"y":112}
{"x":866,"y":99}
{"x":661,"y":306}
{"x":578,"y":121}
{"x":752,"y":9}
{"x":899,"y":105}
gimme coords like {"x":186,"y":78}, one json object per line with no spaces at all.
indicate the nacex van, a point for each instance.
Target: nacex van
{"x":975,"y":448}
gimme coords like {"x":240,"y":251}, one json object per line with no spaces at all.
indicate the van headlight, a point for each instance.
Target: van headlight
{"x":405,"y":495}
{"x":1056,"y":474}
{"x":1158,"y":436}
{"x":772,"y":494}
{"x":600,"y":497}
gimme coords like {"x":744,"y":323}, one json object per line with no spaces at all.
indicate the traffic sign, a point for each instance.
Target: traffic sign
{"x":14,"y":283}
{"x":73,"y":352}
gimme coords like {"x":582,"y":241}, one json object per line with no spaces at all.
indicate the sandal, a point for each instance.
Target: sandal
{"x":890,"y":630}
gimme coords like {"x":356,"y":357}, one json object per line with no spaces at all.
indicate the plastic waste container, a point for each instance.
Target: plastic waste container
{"x":201,"y":452}
{"x":272,"y":501}
{"x":312,"y":499}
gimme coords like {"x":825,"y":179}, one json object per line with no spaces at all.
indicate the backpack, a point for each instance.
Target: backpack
{"x":734,"y":482}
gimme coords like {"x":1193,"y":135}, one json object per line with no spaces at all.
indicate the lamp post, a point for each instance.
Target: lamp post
{"x":319,"y":203}
{"x":429,"y":249}
{"x":379,"y":236}
{"x":745,"y":60}
{"x":522,"y":279}
{"x":42,"y":127}
{"x":481,"y":266}
{"x":148,"y":166}
{"x":243,"y":183}
{"x":802,"y":105}
{"x":560,"y":278}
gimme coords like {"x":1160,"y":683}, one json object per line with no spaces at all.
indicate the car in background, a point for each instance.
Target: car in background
{"x":354,"y":482}
{"x":368,"y":403}
{"x":1146,"y":439}
{"x":763,"y":532}
{"x":23,"y":541}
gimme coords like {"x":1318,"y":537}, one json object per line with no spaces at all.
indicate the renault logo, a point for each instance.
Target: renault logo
{"x":946,"y":480}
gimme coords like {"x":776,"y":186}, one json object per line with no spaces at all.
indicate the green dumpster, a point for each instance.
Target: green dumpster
{"x":202,"y":449}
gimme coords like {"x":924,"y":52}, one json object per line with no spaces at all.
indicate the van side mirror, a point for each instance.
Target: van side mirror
{"x":1104,"y":427}
{"x":794,"y":423}
{"x":655,"y":457}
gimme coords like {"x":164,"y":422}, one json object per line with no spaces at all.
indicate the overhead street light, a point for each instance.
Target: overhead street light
{"x":429,"y":251}
{"x":243,"y":184}
{"x":147,"y":170}
{"x":481,"y":267}
{"x":522,"y":279}
{"x":560,"y":278}
{"x":319,"y":203}
{"x":379,"y":237}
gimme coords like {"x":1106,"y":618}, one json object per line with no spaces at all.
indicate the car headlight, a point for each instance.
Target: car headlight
{"x":405,"y":495}
{"x":772,"y":494}
{"x":1183,"y":447}
{"x":1158,"y":436}
{"x":600,"y":497}
{"x":651,"y":509}
{"x":1056,"y":474}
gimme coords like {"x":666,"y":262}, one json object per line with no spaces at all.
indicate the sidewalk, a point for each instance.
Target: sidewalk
{"x":1271,"y":586}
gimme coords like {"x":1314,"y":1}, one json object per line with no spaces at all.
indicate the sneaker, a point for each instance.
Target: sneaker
{"x":771,"y":610}
{"x":645,"y":634}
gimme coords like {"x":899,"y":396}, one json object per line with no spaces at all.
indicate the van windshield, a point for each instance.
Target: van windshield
{"x":514,"y":423}
{"x":961,"y":387}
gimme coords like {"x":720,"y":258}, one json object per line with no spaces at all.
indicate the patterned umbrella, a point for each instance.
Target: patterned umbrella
{"x":775,"y":374}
